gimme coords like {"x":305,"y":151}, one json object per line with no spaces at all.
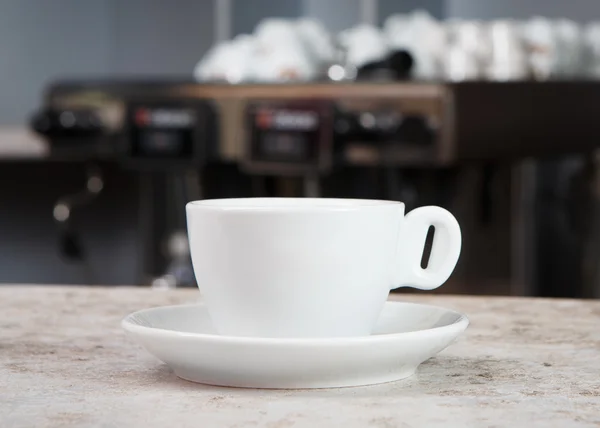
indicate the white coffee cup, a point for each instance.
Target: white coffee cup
{"x":364,"y":44}
{"x":281,"y":53}
{"x":304,"y":267}
{"x":509,"y":56}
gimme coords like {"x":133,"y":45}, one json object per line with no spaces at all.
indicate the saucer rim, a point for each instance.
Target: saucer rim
{"x":457,"y":326}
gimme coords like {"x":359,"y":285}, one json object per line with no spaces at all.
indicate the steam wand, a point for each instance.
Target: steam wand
{"x":69,"y":241}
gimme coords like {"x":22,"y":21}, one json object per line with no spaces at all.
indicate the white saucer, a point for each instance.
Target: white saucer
{"x":406,"y":335}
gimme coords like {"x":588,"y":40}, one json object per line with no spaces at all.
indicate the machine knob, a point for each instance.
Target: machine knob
{"x":66,"y":123}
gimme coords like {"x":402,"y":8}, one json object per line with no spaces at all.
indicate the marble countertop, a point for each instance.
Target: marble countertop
{"x":64,"y":361}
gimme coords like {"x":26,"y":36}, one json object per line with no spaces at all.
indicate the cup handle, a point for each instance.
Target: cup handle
{"x":445,"y":250}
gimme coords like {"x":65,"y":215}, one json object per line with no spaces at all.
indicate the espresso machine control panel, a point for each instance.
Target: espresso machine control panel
{"x":292,"y":137}
{"x":138,"y":124}
{"x":168,"y":132}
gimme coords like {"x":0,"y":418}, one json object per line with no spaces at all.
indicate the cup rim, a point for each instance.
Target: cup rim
{"x":290,"y":204}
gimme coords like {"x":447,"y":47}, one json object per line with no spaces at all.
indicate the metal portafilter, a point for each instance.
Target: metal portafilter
{"x":398,"y":65}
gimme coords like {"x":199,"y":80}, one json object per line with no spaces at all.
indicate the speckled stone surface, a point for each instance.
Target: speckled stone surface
{"x":64,"y":362}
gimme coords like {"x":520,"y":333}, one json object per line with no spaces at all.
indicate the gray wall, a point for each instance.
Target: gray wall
{"x":388,"y":7}
{"x":42,"y":40}
{"x":247,"y":13}
{"x":336,"y":15}
{"x":158,"y":37}
{"x":579,"y":10}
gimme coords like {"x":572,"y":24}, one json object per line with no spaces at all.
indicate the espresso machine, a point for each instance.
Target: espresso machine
{"x":464,"y":146}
